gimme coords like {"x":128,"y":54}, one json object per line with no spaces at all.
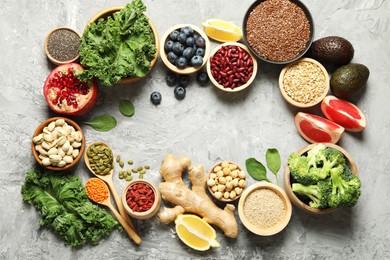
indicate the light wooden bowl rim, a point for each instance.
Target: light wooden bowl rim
{"x":146,"y":214}
{"x":278,"y":227}
{"x":108,"y":12}
{"x":287,"y":180}
{"x":251,"y":79}
{"x":188,"y":69}
{"x":39,"y":130}
{"x":292,"y":101}
{"x":51,"y":58}
{"x":212,"y":193}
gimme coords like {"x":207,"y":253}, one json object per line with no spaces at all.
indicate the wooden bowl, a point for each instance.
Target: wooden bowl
{"x":294,"y":102}
{"x":40,"y":130}
{"x":247,"y":219}
{"x":288,"y":180}
{"x":214,"y":81}
{"x":213,"y":193}
{"x":108,"y":12}
{"x":49,"y":56}
{"x":188,"y":69}
{"x":146,"y":214}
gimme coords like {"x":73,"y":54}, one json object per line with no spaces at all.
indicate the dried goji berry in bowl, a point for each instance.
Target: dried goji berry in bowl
{"x":141,"y":199}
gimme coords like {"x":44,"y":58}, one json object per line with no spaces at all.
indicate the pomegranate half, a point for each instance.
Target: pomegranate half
{"x":66,"y":94}
{"x":316,"y":129}
{"x":343,"y":113}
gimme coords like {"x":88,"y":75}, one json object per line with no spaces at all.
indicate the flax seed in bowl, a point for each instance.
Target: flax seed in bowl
{"x":264,"y":209}
{"x":278,"y":31}
{"x":304,"y":83}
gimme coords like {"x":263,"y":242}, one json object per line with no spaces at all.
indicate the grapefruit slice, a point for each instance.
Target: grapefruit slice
{"x":316,"y":129}
{"x":343,"y":113}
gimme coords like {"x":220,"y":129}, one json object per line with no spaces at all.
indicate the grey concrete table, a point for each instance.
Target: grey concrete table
{"x":207,"y":125}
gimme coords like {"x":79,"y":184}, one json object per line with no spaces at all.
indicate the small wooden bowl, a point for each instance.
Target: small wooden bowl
{"x":188,"y":69}
{"x":287,"y":180}
{"x":285,"y":219}
{"x":213,"y":194}
{"x":296,"y":103}
{"x":146,"y":214}
{"x":81,"y":149}
{"x":214,"y":81}
{"x":110,"y":11}
{"x":49,"y":56}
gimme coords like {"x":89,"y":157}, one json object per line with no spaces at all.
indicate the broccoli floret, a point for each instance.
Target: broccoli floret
{"x":329,"y":159}
{"x":345,"y":192}
{"x":317,"y":193}
{"x":300,"y":170}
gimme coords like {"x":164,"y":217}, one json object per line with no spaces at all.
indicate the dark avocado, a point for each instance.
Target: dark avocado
{"x":332,"y":50}
{"x":349,"y":80}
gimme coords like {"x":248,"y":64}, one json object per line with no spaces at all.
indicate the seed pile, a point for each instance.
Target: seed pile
{"x":227,"y":181}
{"x":231,"y":66}
{"x":63,"y":45}
{"x":140,"y":197}
{"x":128,"y":174}
{"x":264,"y":208}
{"x":58,"y":144}
{"x":278,"y":30}
{"x":100,"y":158}
{"x":96,"y":189}
{"x":304,"y":82}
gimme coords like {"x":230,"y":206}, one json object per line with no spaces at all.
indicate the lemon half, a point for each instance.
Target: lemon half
{"x":195,"y":232}
{"x":221,"y":30}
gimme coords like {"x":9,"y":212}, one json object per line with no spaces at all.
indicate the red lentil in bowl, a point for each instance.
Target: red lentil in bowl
{"x":231,"y":67}
{"x":278,"y":31}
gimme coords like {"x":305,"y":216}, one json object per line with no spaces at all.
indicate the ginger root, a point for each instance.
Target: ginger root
{"x":194,"y":201}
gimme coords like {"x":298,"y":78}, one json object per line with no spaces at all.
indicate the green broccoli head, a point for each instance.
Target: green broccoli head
{"x":345,"y":192}
{"x":300,"y":170}
{"x":317,"y":193}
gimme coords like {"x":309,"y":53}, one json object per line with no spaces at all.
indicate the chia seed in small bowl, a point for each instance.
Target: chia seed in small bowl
{"x":62,"y":45}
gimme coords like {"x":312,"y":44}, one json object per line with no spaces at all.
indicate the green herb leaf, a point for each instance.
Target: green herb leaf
{"x":272,"y":158}
{"x":126,"y":107}
{"x":256,"y":169}
{"x":102,"y":123}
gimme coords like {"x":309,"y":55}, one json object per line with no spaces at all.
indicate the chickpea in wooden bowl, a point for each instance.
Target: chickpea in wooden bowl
{"x":226,"y":181}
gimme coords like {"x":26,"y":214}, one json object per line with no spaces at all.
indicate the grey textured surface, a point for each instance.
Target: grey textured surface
{"x":207,"y":125}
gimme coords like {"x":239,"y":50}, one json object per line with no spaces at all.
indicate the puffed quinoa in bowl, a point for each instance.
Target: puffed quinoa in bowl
{"x":226,"y":181}
{"x":304,"y":83}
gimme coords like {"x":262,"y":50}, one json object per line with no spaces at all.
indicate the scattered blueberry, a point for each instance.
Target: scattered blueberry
{"x":181,"y":37}
{"x":200,"y":42}
{"x":180,"y":92}
{"x":181,"y":62}
{"x":190,"y":41}
{"x":178,"y":48}
{"x":168,"y":46}
{"x":171,"y":79}
{"x":188,"y":53}
{"x":202,"y":78}
{"x":196,"y":36}
{"x":199,"y":52}
{"x":172,"y":57}
{"x":187,"y":30}
{"x":197,"y":61}
{"x":184,"y":80}
{"x":173,"y":35}
{"x":155,"y":97}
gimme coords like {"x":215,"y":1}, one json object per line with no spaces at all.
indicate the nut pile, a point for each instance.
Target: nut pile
{"x":100,"y":158}
{"x":58,"y":144}
{"x":226,"y":181}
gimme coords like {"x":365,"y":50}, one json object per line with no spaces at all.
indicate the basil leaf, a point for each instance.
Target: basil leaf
{"x":102,"y":123}
{"x":272,"y":158}
{"x":256,"y":169}
{"x":126,"y":107}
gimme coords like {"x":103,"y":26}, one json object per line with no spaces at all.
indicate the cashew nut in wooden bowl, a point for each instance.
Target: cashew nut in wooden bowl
{"x":226,"y":181}
{"x":58,"y":143}
{"x":110,"y":11}
{"x":287,"y":179}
